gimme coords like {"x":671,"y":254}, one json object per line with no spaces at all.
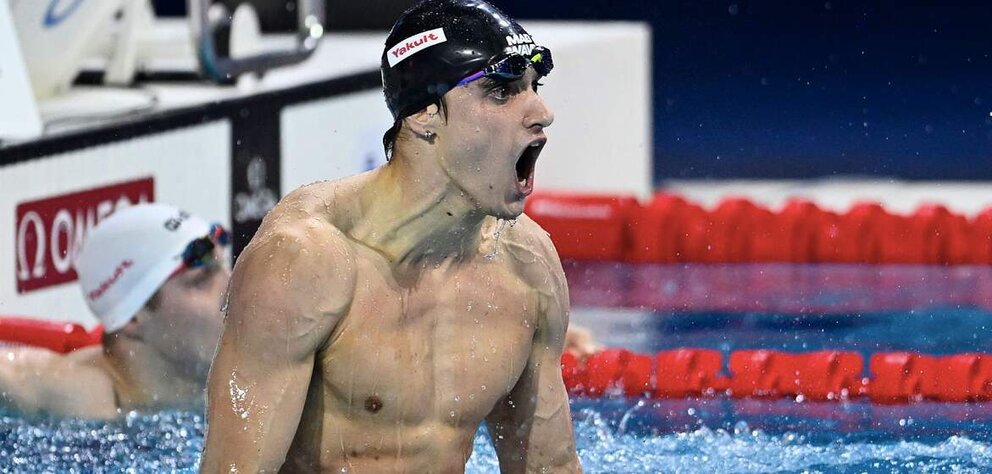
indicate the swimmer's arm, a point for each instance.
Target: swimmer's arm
{"x":35,"y":380}
{"x":22,"y":373}
{"x":278,"y":318}
{"x":531,"y":427}
{"x":579,"y":341}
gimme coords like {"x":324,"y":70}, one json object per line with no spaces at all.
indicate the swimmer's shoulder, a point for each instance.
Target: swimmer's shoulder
{"x":46,"y":364}
{"x":532,"y":250}
{"x":38,"y":380}
{"x":335,"y":203}
{"x":536,"y":262}
{"x":323,"y":206}
{"x":529,"y":237}
{"x":300,"y":248}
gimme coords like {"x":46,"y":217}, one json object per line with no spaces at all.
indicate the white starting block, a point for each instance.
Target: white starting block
{"x":18,"y":113}
{"x":57,"y":39}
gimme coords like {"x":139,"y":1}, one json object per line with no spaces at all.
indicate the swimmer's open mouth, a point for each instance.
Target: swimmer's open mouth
{"x":525,"y":166}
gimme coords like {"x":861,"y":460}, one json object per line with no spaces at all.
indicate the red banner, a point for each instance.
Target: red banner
{"x":50,"y":231}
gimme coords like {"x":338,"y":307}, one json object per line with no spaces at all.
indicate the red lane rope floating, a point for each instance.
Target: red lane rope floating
{"x":896,"y":377}
{"x":59,"y":337}
{"x":670,"y":229}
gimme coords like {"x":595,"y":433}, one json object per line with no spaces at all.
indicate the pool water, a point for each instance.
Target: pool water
{"x":943,"y":330}
{"x":707,"y":435}
{"x":145,"y":443}
{"x":613,"y":436}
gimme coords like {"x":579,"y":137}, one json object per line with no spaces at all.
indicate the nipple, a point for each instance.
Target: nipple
{"x":373,"y":404}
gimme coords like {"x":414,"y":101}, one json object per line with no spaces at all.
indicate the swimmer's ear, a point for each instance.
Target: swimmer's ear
{"x":425,"y":123}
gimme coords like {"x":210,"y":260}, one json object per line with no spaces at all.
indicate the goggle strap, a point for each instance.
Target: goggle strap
{"x":471,"y":78}
{"x":499,"y":68}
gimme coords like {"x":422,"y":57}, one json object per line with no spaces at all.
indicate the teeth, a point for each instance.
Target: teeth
{"x":535,"y":145}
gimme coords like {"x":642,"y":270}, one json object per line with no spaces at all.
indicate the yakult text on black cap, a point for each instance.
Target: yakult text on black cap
{"x":415,"y":44}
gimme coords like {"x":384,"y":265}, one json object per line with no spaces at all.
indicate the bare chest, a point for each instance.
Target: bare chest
{"x":442,"y":347}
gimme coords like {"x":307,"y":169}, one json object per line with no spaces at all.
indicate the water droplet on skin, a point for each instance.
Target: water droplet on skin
{"x":500,"y":223}
{"x":239,"y":398}
{"x":483,"y":387}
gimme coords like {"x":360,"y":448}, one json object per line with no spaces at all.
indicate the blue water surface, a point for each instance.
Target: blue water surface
{"x":613,"y":436}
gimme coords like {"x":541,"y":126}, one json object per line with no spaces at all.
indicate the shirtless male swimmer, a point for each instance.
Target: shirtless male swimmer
{"x":376,"y":321}
{"x":154,"y":276}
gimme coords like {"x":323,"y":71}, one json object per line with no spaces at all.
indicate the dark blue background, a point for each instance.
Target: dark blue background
{"x":799,"y":89}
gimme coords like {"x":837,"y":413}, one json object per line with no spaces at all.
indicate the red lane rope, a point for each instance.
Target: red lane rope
{"x":670,"y":229}
{"x":896,"y":377}
{"x":60,"y":337}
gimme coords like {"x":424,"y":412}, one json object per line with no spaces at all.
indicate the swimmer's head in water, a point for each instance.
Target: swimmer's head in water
{"x":440,"y":44}
{"x":128,"y":256}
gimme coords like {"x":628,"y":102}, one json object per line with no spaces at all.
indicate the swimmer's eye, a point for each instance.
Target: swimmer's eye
{"x":199,"y":281}
{"x":500,"y":93}
{"x":202,"y":277}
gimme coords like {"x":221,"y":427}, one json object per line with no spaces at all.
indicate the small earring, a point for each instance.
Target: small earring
{"x":429,"y":135}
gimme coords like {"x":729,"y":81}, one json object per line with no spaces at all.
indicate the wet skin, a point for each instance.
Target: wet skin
{"x":375,"y":322}
{"x":158,"y":361}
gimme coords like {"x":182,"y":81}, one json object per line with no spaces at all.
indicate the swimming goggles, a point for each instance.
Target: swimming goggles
{"x":200,"y":251}
{"x":512,"y":66}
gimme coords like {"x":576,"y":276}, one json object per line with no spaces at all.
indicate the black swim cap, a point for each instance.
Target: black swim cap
{"x":437,"y":43}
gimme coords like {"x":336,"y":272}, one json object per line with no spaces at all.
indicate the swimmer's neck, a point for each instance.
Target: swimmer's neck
{"x":426,"y":220}
{"x":149,"y":380}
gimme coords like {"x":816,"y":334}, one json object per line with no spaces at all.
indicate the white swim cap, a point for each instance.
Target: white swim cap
{"x":129,"y":255}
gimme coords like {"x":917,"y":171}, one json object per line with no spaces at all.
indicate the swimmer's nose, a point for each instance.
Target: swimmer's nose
{"x":538,"y":114}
